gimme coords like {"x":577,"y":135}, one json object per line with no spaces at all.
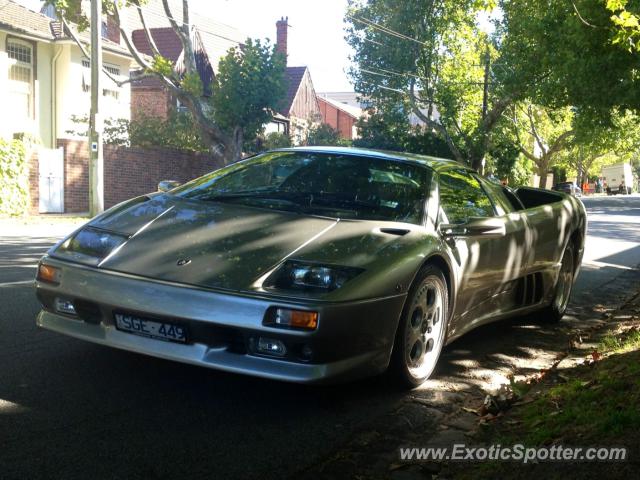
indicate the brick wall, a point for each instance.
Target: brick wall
{"x":150,"y":101}
{"x":337,"y":119}
{"x":76,"y":176}
{"x":128,"y":172}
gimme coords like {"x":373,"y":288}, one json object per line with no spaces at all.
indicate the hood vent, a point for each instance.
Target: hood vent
{"x":400,"y":232}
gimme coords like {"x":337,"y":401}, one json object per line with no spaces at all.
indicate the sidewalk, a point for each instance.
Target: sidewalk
{"x":43,"y":226}
{"x":463,"y":411}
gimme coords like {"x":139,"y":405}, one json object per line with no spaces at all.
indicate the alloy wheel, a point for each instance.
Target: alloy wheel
{"x":424,"y":332}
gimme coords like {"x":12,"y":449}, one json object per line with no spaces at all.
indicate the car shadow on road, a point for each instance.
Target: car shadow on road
{"x":20,"y":255}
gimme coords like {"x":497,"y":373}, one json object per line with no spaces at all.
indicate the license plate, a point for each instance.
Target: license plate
{"x":169,"y":332}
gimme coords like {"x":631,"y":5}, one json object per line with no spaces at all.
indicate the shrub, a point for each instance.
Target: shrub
{"x":14,"y":178}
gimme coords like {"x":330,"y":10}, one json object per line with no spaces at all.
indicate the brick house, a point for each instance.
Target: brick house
{"x":301,"y":105}
{"x":211,"y":42}
{"x":340,"y":116}
{"x":149,"y":96}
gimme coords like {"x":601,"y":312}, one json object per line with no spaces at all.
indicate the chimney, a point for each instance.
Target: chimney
{"x":281,"y":43}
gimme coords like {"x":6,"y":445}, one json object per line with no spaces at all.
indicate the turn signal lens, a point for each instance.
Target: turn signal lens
{"x":296,"y":318}
{"x":49,"y":274}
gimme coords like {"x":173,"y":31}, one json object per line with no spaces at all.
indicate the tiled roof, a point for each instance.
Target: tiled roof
{"x":21,"y":19}
{"x":216,"y":37}
{"x":293,"y":77}
{"x":166,"y":39}
{"x":170,"y":47}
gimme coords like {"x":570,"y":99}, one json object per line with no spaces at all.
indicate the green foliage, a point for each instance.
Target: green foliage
{"x":438,"y":64}
{"x":192,"y":84}
{"x":14,"y":178}
{"x":505,"y":160}
{"x":389,"y":129}
{"x":627,"y":23}
{"x":249,"y":87}
{"x":322,"y":134}
{"x":562,"y":54}
{"x":177,"y":132}
{"x":384,"y":129}
{"x":162,"y":66}
{"x":269,"y":141}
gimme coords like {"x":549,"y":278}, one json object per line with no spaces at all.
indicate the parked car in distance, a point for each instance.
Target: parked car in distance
{"x":568,"y":187}
{"x":314,"y":265}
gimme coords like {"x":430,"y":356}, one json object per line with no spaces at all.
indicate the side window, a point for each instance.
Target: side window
{"x":513,"y":199}
{"x":462,"y":197}
{"x":497,"y":192}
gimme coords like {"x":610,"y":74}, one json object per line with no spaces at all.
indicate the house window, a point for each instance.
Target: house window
{"x":113,"y":92}
{"x":20,"y":76}
{"x":112,"y":69}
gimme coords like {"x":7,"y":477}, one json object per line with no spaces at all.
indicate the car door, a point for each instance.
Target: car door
{"x":490,"y":260}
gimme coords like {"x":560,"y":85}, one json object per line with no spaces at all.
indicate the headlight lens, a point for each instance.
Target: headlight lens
{"x":295,"y":275}
{"x":91,"y":245}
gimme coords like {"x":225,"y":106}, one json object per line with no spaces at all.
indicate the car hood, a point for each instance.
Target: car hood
{"x":223,"y":245}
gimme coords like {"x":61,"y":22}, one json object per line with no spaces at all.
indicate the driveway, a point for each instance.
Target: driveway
{"x":70,"y":409}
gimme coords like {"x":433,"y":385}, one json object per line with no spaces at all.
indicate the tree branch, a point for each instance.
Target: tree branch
{"x":130,"y":46}
{"x":581,"y":17}
{"x":534,"y":131}
{"x":560,"y":142}
{"x":83,"y":49}
{"x":183,"y":30}
{"x":154,"y":48}
{"x":438,"y":126}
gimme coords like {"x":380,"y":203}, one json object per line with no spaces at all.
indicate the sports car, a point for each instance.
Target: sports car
{"x":314,"y":265}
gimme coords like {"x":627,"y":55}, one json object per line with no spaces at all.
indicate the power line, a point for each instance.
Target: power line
{"x":389,"y":73}
{"x":386,"y":30}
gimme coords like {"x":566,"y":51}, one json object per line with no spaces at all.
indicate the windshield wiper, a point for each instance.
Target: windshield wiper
{"x":278,"y":195}
{"x":323,"y":199}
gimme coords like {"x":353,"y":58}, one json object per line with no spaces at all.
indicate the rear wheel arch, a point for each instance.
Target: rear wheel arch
{"x":443,"y":264}
{"x":576,"y":241}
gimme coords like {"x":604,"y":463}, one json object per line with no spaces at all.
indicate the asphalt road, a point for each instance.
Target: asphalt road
{"x":70,"y":409}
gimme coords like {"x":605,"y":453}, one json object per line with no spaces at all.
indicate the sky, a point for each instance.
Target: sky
{"x":316,"y":32}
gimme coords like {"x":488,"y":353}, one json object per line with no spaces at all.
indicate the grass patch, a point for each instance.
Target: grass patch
{"x":595,"y":406}
{"x":622,"y":342}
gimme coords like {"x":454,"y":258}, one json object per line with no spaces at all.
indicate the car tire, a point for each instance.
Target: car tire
{"x":422,"y":329}
{"x":562,"y":291}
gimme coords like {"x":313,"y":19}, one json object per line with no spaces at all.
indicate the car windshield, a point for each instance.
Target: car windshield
{"x":343,"y":186}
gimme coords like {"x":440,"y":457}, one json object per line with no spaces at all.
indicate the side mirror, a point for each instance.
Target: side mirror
{"x":166,"y":185}
{"x":474,"y":227}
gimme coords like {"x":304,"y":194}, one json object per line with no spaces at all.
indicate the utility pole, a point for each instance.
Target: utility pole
{"x":485,"y":90}
{"x":485,"y":94}
{"x":96,"y":160}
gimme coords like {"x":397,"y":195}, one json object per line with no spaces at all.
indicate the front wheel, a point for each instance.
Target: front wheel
{"x":422,"y":328}
{"x":554,"y":312}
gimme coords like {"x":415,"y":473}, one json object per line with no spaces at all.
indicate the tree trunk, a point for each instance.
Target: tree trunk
{"x":543,"y":169}
{"x":476,"y":162}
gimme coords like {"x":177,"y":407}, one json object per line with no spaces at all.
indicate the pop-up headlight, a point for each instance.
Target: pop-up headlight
{"x":90,"y":245}
{"x":295,"y":275}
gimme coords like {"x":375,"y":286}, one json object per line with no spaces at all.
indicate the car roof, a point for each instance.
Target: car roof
{"x":434,"y":163}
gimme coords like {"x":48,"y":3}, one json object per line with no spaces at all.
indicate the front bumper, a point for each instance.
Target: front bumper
{"x":353,"y":339}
